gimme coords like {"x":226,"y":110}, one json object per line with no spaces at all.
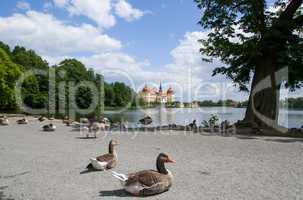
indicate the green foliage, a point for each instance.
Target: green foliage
{"x":9,"y":74}
{"x":73,"y":70}
{"x":84,"y":97}
{"x":243,"y":34}
{"x":293,"y":103}
{"x":109,"y":95}
{"x":227,"y":103}
{"x":28,"y":59}
{"x":6,"y":48}
{"x":35,"y":88}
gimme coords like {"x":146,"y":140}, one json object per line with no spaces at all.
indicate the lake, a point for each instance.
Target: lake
{"x":184,"y":116}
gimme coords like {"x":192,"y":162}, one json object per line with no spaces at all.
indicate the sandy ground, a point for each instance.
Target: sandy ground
{"x":36,"y":165}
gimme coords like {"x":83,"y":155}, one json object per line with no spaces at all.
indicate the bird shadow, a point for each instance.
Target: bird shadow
{"x":284,"y":140}
{"x":244,"y":137}
{"x":86,"y":138}
{"x":2,"y":195}
{"x":87,"y":171}
{"x":114,"y":193}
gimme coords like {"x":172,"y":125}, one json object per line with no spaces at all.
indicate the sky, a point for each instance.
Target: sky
{"x":134,"y":41}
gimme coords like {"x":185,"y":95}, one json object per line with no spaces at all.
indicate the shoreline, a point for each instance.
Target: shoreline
{"x":232,"y":131}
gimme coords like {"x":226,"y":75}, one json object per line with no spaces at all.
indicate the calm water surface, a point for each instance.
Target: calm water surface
{"x":184,"y":116}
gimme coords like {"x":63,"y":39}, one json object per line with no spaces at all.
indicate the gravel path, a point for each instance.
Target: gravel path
{"x":36,"y":165}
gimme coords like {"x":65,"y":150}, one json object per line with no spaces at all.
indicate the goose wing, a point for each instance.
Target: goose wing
{"x":110,"y":159}
{"x":105,"y":158}
{"x":146,"y":178}
{"x":146,"y":183}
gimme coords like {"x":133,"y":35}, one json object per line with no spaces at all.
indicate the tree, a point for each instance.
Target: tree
{"x":252,"y":40}
{"x":123,"y":94}
{"x":6,"y":48}
{"x":109,"y":95}
{"x":9,"y":74}
{"x":35,"y":88}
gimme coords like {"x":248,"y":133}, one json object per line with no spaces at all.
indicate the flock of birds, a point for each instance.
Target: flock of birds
{"x":141,"y":183}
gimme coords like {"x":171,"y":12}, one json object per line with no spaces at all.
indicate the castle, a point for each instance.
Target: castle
{"x":152,"y":95}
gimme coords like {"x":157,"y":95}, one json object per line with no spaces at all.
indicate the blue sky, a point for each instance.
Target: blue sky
{"x":165,"y":21}
{"x":136,"y":41}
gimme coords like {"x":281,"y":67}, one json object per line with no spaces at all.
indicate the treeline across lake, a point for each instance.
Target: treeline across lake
{"x":220,"y":103}
{"x":35,"y":88}
{"x":292,"y":103}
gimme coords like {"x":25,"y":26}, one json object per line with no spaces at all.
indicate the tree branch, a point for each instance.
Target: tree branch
{"x":299,"y":20}
{"x":291,"y":9}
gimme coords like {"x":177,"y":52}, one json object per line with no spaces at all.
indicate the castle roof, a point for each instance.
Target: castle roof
{"x":154,"y":90}
{"x":170,"y":90}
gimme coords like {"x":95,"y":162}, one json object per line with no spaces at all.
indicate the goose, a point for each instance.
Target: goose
{"x":148,"y":182}
{"x":49,"y":127}
{"x":106,"y":161}
{"x":67,"y":121}
{"x":96,"y":128}
{"x":105,"y":123}
{"x":41,"y":119}
{"x":4,"y":121}
{"x":146,"y":120}
{"x":22,"y":121}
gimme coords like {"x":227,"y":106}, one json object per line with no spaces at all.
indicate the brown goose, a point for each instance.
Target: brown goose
{"x":106,"y":161}
{"x":41,"y":119}
{"x":4,"y":121}
{"x":146,"y":120}
{"x":49,"y":128}
{"x":148,"y":182}
{"x":22,"y":121}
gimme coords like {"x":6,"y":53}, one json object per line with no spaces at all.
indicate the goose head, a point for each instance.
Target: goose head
{"x":112,"y":145}
{"x":161,"y":160}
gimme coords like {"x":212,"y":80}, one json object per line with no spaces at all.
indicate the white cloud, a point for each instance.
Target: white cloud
{"x":124,"y":10}
{"x":23,"y":5}
{"x":114,"y":60}
{"x":101,"y":11}
{"x":96,"y":10}
{"x":51,"y":37}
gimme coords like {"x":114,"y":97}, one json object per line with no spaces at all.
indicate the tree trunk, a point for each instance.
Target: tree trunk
{"x":266,"y":101}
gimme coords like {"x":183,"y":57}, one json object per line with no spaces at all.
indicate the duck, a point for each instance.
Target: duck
{"x":49,"y":127}
{"x":148,"y":182}
{"x":22,"y":121}
{"x":106,"y":161}
{"x":4,"y":121}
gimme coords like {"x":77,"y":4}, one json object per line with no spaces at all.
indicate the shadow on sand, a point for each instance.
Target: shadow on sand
{"x":286,"y":140}
{"x":2,"y":196}
{"x":87,"y":171}
{"x":86,"y":138}
{"x":279,"y":140}
{"x":114,"y":193}
{"x":244,"y":137}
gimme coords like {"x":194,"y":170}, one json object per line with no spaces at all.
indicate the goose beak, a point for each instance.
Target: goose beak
{"x":169,"y":160}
